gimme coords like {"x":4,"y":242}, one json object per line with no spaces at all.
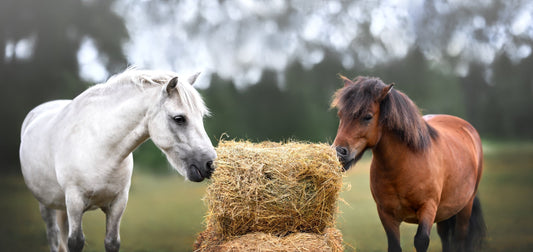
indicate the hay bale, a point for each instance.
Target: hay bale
{"x":274,"y":188}
{"x":208,"y":240}
{"x":331,"y":241}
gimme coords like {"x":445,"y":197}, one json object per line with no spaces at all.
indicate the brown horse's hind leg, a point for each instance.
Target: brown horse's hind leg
{"x":392,"y":228}
{"x":446,"y":232}
{"x":470,"y":229}
{"x":461,"y":228}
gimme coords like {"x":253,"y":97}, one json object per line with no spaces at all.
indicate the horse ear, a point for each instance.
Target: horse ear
{"x":172,"y":84}
{"x":386,"y":90}
{"x":347,"y":82}
{"x":193,"y":77}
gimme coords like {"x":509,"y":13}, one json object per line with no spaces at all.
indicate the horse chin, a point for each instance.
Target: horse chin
{"x":192,"y":170}
{"x":346,"y":166}
{"x":179,"y":166}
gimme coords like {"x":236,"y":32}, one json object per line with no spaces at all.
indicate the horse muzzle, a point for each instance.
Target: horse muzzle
{"x":198,"y":171}
{"x":346,"y":157}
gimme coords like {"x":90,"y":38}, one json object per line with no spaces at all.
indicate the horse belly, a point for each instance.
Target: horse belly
{"x":102,"y":197}
{"x":453,"y":202}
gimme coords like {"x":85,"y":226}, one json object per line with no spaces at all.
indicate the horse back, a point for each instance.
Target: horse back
{"x":456,"y":133}
{"x":43,"y":112}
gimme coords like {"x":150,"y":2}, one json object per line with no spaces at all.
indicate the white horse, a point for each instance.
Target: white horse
{"x":76,"y":154}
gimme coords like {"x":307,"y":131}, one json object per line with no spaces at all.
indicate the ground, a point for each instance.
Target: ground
{"x":165,"y":213}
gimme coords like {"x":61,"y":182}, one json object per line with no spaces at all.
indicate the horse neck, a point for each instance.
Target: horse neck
{"x":389,"y":151}
{"x":123,"y":121}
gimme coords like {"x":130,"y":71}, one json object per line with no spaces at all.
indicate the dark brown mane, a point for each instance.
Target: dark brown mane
{"x":397,"y":112}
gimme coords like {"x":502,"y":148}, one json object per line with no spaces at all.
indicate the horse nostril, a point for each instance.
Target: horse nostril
{"x":209,"y":165}
{"x":341,"y":151}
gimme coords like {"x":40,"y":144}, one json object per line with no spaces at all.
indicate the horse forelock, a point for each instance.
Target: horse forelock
{"x":354,"y":100}
{"x":142,"y":79}
{"x":191,"y":99}
{"x":398,"y":113}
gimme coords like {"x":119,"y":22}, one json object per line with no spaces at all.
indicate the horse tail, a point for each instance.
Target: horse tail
{"x":477,"y":230}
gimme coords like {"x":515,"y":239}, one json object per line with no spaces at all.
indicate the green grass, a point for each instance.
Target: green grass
{"x":165,"y":212}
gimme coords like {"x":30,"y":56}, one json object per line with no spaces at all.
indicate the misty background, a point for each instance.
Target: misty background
{"x":269,"y":68}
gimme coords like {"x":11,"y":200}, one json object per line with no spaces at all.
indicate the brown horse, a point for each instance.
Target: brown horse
{"x":425,"y":169}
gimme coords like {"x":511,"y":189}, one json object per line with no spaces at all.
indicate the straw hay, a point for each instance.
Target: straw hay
{"x":272,"y":192}
{"x":330,"y":241}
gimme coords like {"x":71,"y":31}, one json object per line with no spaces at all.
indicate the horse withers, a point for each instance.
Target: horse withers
{"x":424,"y":170}
{"x":76,"y":155}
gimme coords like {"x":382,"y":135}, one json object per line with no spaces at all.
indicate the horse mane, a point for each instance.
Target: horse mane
{"x":398,"y":113}
{"x":142,"y":79}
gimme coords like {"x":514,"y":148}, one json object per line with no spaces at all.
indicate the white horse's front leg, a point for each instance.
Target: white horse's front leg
{"x":113,"y":216}
{"x":75,"y":207}
{"x":62,"y":222}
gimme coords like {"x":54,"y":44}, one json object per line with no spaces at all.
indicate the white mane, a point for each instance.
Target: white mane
{"x":189,"y":96}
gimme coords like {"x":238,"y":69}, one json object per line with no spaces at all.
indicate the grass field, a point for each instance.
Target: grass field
{"x":164,"y":213}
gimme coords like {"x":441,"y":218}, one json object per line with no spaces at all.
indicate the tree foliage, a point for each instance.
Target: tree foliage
{"x":39,"y":42}
{"x":274,"y":65}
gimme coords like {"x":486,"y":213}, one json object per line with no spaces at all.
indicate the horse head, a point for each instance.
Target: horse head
{"x":176,"y":126}
{"x":358,"y":105}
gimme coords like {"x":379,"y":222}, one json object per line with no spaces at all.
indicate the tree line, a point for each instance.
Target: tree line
{"x":499,"y":105}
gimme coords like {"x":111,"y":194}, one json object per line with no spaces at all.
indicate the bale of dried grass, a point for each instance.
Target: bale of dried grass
{"x":330,"y":241}
{"x":274,"y":188}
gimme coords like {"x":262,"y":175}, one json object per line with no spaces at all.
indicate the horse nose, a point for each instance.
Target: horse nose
{"x":341,"y":151}
{"x":209,"y":165}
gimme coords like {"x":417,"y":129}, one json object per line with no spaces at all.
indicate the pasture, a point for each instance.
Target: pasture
{"x":165,"y":213}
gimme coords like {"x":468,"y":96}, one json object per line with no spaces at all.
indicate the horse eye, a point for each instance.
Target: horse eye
{"x":180,"y":120}
{"x":367,"y":117}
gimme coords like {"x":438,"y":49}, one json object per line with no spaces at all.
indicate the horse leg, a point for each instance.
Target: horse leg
{"x":445,"y":230}
{"x":52,"y":230}
{"x":62,"y":221}
{"x":461,"y":228}
{"x":75,"y":208}
{"x":392,"y":229}
{"x":477,"y":230}
{"x":426,"y":217}
{"x":113,"y":216}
